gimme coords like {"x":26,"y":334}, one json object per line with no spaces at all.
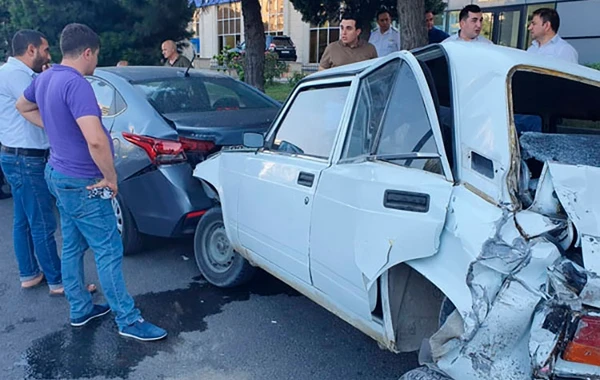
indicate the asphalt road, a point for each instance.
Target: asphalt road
{"x":262,"y":331}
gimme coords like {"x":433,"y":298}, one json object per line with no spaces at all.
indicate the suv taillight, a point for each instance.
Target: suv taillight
{"x":196,"y":146}
{"x":159,"y":151}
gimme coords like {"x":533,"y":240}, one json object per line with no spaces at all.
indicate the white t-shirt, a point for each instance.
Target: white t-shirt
{"x":385,"y":43}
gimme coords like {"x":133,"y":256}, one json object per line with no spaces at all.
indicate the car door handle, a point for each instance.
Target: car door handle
{"x":306,"y":179}
{"x":406,"y":201}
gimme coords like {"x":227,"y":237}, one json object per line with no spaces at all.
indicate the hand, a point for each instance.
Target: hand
{"x":105,"y":183}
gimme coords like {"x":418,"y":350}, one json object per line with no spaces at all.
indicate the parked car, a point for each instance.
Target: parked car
{"x":163,"y":121}
{"x":442,"y":199}
{"x":281,"y":45}
{"x":5,"y":191}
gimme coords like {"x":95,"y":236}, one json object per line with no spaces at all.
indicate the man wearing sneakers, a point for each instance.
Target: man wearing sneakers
{"x":62,"y":101}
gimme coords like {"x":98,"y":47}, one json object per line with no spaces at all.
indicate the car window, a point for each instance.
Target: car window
{"x":199,"y":94}
{"x":282,"y":42}
{"x":311,"y":123}
{"x":105,"y":96}
{"x":406,"y":127}
{"x":373,"y":99}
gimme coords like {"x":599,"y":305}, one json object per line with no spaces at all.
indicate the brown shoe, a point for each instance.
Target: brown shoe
{"x":61,"y":291}
{"x":33,"y":282}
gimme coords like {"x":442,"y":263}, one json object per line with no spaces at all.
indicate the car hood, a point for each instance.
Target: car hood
{"x":223,"y":127}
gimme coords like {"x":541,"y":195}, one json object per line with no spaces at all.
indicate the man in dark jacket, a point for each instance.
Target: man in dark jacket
{"x":172,"y":56}
{"x":435,"y":35}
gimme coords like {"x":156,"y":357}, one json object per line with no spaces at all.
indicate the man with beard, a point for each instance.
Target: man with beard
{"x":23,"y":158}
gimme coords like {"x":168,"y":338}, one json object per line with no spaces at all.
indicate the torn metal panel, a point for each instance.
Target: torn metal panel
{"x":577,"y":189}
{"x":533,"y":224}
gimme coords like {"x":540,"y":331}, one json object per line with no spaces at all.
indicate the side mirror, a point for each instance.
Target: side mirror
{"x":254,"y":140}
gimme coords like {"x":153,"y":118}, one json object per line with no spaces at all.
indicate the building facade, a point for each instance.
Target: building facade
{"x":219,"y":23}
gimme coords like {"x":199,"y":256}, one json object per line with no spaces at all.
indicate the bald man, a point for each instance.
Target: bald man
{"x":172,"y":57}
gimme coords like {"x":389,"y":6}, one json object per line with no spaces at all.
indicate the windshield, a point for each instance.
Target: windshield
{"x":197,"y":94}
{"x":282,"y":42}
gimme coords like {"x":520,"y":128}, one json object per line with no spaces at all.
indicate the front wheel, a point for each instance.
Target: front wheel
{"x":216,"y":259}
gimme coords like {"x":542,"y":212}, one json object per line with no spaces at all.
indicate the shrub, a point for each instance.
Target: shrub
{"x":594,"y":65}
{"x":234,"y":61}
{"x":296,"y":78}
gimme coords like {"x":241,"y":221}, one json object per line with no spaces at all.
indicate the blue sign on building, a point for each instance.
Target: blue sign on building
{"x":206,"y":3}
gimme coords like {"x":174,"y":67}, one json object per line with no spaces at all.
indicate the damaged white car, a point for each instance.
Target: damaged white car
{"x":443,"y":199}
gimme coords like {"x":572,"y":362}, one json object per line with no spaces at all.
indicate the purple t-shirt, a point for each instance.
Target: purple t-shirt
{"x":63,"y":95}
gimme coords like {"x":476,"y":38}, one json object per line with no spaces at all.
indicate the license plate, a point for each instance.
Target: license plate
{"x":285,"y":52}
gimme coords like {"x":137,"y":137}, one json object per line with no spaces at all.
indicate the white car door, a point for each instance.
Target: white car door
{"x":384,"y":202}
{"x":278,"y":184}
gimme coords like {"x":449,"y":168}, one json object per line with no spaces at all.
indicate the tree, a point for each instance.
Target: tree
{"x":319,"y":11}
{"x":6,"y":31}
{"x":129,"y":29}
{"x":254,"y":30}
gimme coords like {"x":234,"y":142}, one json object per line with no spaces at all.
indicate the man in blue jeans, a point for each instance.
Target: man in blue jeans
{"x":23,"y":159}
{"x":63,"y":102}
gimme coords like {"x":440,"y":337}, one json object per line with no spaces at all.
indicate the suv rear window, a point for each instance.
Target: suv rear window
{"x":282,"y":42}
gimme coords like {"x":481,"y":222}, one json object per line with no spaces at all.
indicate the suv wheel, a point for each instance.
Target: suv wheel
{"x":132,"y":239}
{"x":5,"y":191}
{"x":216,"y":259}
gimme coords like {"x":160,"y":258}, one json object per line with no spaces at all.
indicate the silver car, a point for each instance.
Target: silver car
{"x":162,"y":121}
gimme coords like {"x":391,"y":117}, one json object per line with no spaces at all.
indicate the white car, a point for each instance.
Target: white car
{"x":443,"y":199}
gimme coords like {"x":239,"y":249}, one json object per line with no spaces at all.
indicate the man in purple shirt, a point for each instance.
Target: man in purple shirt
{"x":62,"y":101}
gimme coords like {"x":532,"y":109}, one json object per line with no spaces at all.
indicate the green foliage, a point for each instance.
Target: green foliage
{"x":594,"y":65}
{"x":129,"y":29}
{"x":296,"y":78}
{"x":230,"y":61}
{"x":319,"y":11}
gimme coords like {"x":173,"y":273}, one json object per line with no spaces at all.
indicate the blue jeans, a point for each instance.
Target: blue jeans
{"x":90,"y":223}
{"x":34,"y":222}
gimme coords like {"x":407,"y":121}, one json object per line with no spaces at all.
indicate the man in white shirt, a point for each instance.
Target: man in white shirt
{"x":546,"y":41}
{"x":471,"y":22}
{"x":385,"y":39}
{"x":23,"y":158}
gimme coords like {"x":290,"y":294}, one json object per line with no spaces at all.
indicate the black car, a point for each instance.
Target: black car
{"x":281,"y":45}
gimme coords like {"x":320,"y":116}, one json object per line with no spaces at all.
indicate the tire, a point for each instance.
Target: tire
{"x":218,"y":262}
{"x":423,"y":373}
{"x":131,"y":238}
{"x":5,"y":191}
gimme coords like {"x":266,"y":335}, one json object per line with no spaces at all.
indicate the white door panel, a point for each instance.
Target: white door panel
{"x":358,"y":234}
{"x":274,"y":208}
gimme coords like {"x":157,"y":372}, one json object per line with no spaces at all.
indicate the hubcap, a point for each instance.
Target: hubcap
{"x":217,"y":250}
{"x":118,"y":214}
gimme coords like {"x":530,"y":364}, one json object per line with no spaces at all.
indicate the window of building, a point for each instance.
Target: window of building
{"x":229,"y":24}
{"x":310,"y":125}
{"x":272,"y":15}
{"x":321,"y":36}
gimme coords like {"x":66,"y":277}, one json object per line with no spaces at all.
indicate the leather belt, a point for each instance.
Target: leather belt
{"x":25,"y":151}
